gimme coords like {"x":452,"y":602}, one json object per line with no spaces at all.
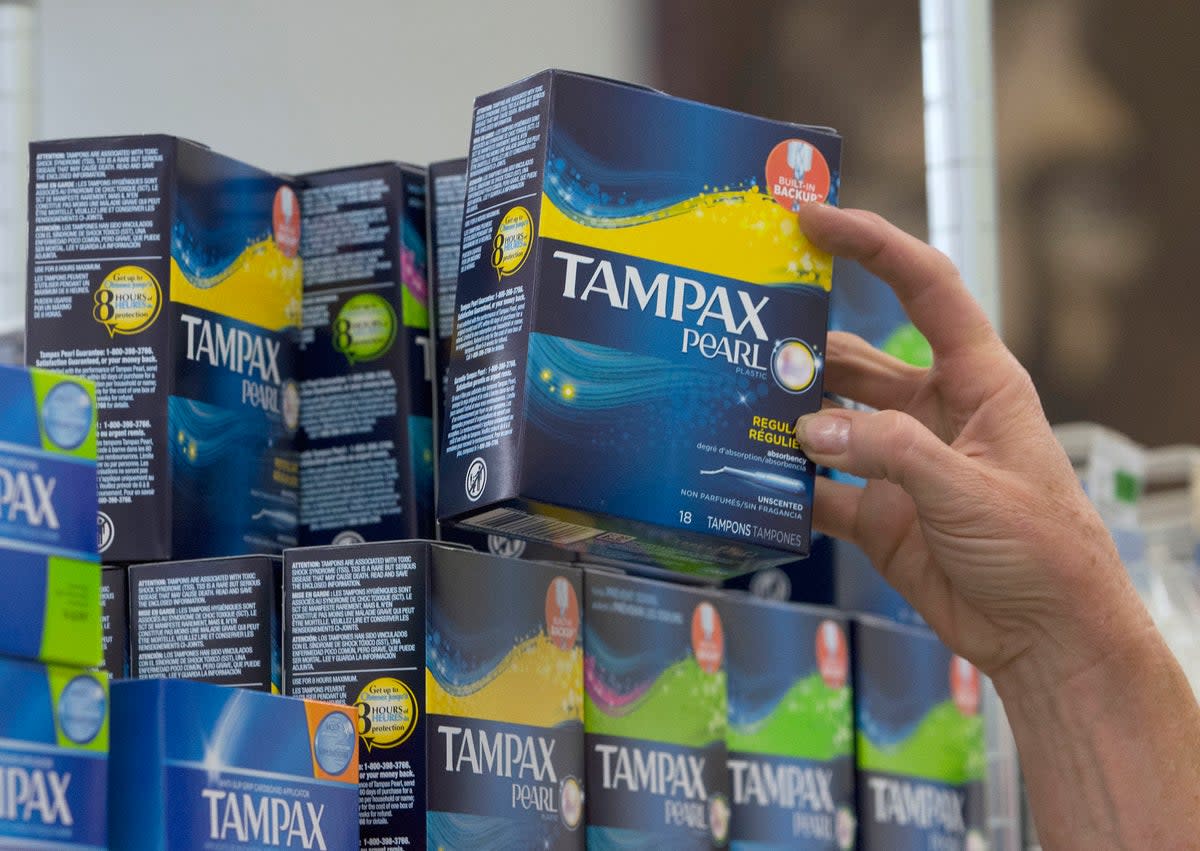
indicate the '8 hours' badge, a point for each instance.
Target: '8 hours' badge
{"x":512,"y":242}
{"x":127,"y":301}
{"x":364,"y":328}
{"x":387,"y":713}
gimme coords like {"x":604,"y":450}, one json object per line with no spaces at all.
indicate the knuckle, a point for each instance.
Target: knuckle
{"x":899,"y":442}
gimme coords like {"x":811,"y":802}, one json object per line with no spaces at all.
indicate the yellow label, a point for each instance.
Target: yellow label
{"x":514,"y":238}
{"x":127,"y":301}
{"x":537,"y":684}
{"x":741,"y":234}
{"x":261,"y":287}
{"x":387,"y":713}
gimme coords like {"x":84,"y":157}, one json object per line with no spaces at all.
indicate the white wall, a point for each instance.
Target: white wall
{"x":300,"y":84}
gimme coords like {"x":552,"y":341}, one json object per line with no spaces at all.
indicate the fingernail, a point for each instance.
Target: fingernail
{"x":823,"y":434}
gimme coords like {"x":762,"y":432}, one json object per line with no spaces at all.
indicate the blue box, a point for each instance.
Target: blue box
{"x":170,"y":276}
{"x":639,"y":321}
{"x":467,"y":672}
{"x":54,"y":733}
{"x":791,"y":726}
{"x":655,"y":715}
{"x":366,"y":404}
{"x":919,"y":741}
{"x":48,"y":563}
{"x":199,"y":766}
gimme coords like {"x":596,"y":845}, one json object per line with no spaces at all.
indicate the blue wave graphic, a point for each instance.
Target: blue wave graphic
{"x":569,"y":380}
{"x":460,"y":660}
{"x":454,"y":831}
{"x":202,"y":435}
{"x":627,"y":669}
{"x":579,"y":182}
{"x":218,"y":216}
{"x":623,"y":839}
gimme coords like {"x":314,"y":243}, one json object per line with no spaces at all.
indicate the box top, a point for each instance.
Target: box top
{"x":372,"y":166}
{"x":878,"y":622}
{"x":232,"y":729}
{"x":749,"y":602}
{"x":552,"y":73}
{"x":214,"y":561}
{"x":118,"y":138}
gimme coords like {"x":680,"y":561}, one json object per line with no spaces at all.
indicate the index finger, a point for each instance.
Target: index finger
{"x":926,"y":282}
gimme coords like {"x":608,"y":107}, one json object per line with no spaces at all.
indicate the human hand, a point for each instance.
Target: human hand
{"x":971,"y":510}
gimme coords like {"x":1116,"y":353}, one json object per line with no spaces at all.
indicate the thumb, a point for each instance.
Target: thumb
{"x":884,"y":445}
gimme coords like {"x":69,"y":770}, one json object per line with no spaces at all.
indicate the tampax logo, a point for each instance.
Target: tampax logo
{"x":833,"y":654}
{"x":285,"y":221}
{"x":708,"y":638}
{"x":387,"y":713}
{"x":964,"y":685}
{"x":35,"y":795}
{"x":562,"y":613}
{"x":797,"y":172}
{"x":27,"y":497}
{"x":513,"y":240}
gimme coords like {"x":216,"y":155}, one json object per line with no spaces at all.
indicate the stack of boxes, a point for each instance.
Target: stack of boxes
{"x":54,"y":718}
{"x":608,"y":335}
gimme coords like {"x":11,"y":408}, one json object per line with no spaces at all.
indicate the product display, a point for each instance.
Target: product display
{"x":791,"y":726}
{"x":366,"y":430}
{"x":919,"y":741}
{"x":54,"y":736}
{"x":49,"y":608}
{"x":212,"y":620}
{"x":114,"y":621}
{"x":467,"y":673}
{"x":655,"y":715}
{"x":198,"y":766}
{"x":639,"y":322}
{"x":576,"y":357}
{"x":190,"y":343}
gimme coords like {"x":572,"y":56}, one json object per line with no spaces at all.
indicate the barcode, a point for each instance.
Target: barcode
{"x":509,"y":522}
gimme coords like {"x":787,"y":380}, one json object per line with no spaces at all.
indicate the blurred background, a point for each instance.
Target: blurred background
{"x":1096,"y":130}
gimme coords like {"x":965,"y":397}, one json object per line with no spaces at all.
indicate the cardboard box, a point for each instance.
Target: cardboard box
{"x":54,"y":731}
{"x":919,"y":733}
{"x":198,"y":766}
{"x":639,"y":322}
{"x":213,"y":620}
{"x":114,"y":620}
{"x":169,"y":275}
{"x":655,"y":714}
{"x":366,"y":463}
{"x":444,"y":217}
{"x":467,"y":673}
{"x":791,"y":725}
{"x":49,"y":609}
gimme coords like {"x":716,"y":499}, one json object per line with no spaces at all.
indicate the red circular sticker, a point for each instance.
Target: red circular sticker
{"x":285,"y":221}
{"x":964,"y":685}
{"x":833,"y":654}
{"x":562,"y":613}
{"x":797,"y":171}
{"x":708,"y":638}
